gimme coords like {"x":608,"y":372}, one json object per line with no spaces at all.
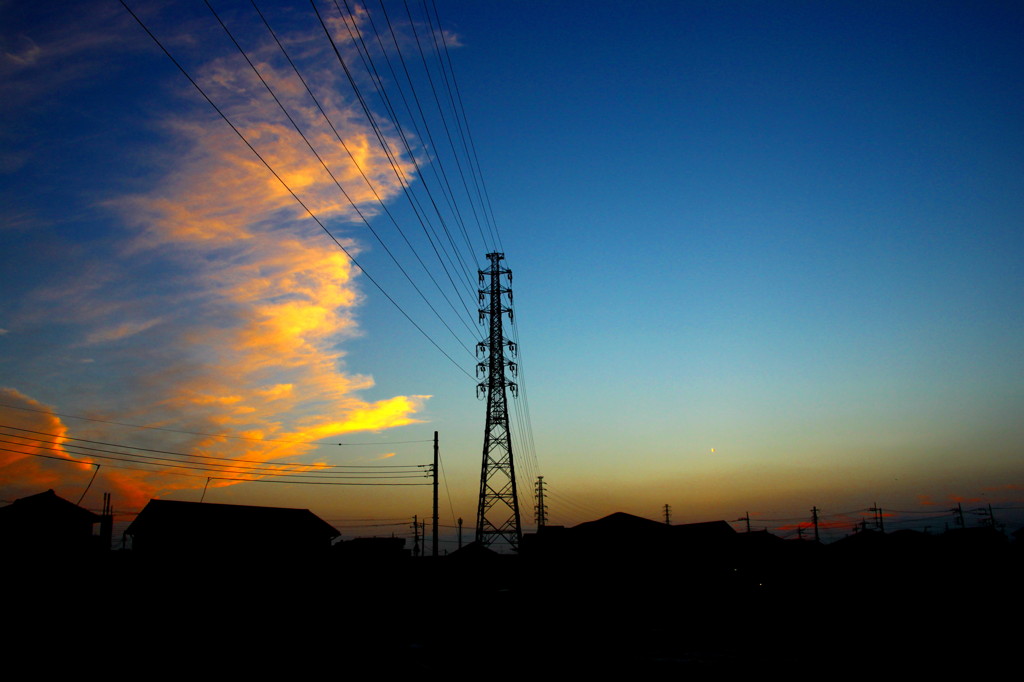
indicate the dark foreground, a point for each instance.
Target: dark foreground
{"x":814,"y":612}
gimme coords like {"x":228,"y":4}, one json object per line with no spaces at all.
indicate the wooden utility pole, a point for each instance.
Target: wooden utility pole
{"x":959,"y":511}
{"x":415,"y":535}
{"x":878,"y":517}
{"x":435,"y":494}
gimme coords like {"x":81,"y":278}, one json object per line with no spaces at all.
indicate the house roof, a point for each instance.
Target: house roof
{"x":706,"y":530}
{"x":48,"y":505}
{"x":173,"y":516}
{"x":621,"y":522}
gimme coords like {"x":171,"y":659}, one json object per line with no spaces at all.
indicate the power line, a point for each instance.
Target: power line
{"x":135,"y":458}
{"x":482,"y":189}
{"x":201,"y":433}
{"x":289,"y":189}
{"x":326,"y":168}
{"x":372,"y":120}
{"x":163,"y":471}
{"x":356,"y":37}
{"x":209,"y":457}
{"x":352,"y":157}
{"x":438,"y":162}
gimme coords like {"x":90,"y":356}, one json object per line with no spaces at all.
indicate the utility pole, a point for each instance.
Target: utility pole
{"x":435,"y":494}
{"x":959,"y":511}
{"x":877,"y":511}
{"x":542,"y":512}
{"x":747,"y":517}
{"x":107,"y":522}
{"x":668,"y":515}
{"x":460,"y":532}
{"x":415,"y":535}
{"x":497,"y":516}
{"x":992,"y":518}
{"x":814,"y":517}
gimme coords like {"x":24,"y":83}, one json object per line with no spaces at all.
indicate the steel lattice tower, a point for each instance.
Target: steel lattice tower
{"x":497,"y":517}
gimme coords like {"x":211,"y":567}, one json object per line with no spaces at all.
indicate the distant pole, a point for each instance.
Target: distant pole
{"x":107,"y":523}
{"x":960,"y":515}
{"x":991,"y":516}
{"x":879,"y":523}
{"x":747,"y":517}
{"x":460,"y":532}
{"x":814,"y":517}
{"x":435,"y":493}
{"x":668,"y":515}
{"x":415,"y":535}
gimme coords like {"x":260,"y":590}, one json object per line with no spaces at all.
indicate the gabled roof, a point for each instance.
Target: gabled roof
{"x":706,"y":530}
{"x":173,"y":516}
{"x":47,"y":505}
{"x":621,"y":522}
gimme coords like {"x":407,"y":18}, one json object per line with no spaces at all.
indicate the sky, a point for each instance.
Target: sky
{"x":766,"y":256}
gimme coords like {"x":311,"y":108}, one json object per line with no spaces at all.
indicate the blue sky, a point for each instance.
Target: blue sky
{"x":788,"y":232}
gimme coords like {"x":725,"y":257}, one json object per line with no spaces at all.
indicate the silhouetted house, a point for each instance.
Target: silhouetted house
{"x":708,"y":533}
{"x":371,"y":549}
{"x":475,"y":551}
{"x":624,"y":538}
{"x":169,"y":527}
{"x":46,"y":523}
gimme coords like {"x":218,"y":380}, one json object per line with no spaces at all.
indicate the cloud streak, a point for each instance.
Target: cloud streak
{"x":236,"y":328}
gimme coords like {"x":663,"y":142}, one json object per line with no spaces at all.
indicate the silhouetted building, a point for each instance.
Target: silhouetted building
{"x":372,"y":549}
{"x":624,"y":537}
{"x":46,"y":523}
{"x":169,"y":527}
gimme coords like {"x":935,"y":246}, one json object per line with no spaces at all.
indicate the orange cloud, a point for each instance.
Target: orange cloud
{"x":36,"y":440}
{"x":273,"y":295}
{"x":238,"y":331}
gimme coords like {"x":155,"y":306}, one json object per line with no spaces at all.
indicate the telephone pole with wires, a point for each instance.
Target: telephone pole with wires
{"x":497,"y":517}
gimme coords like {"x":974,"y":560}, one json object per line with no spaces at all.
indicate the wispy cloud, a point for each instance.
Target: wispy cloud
{"x":251,"y":299}
{"x":120,"y":331}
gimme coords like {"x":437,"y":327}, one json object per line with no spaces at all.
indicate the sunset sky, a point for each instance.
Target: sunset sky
{"x":766,"y":255}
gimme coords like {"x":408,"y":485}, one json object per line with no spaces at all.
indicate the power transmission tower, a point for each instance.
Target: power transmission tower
{"x":668,"y":515}
{"x":497,"y":517}
{"x":542,"y":511}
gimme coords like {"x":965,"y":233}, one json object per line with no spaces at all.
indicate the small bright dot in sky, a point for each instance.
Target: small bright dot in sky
{"x":712,"y":450}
